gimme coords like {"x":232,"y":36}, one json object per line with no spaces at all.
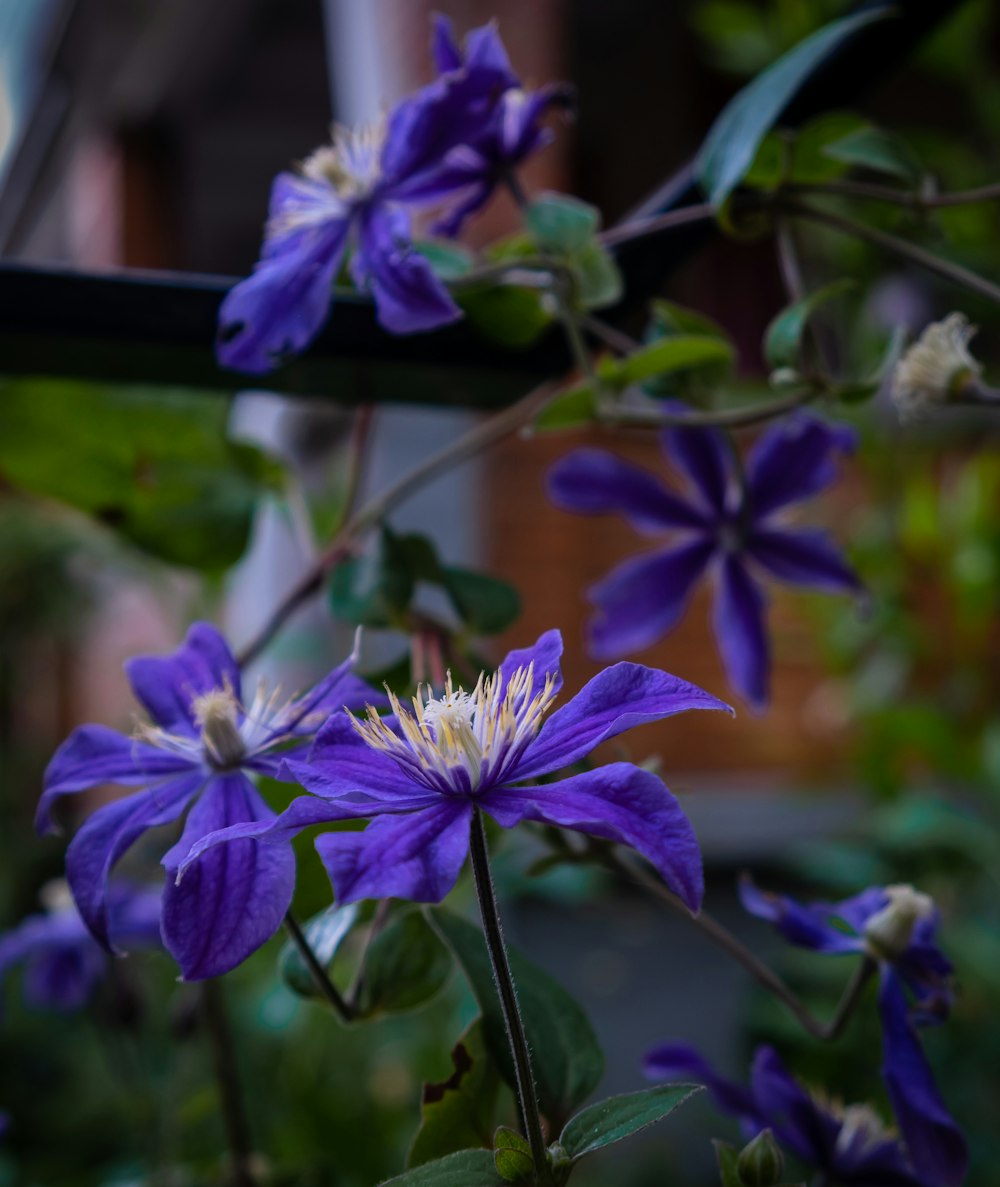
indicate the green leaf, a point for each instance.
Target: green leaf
{"x":566,"y":1058}
{"x":619,"y":1117}
{"x":574,"y":407}
{"x":783,"y":337}
{"x":325,"y":933}
{"x":375,"y":588}
{"x":598,"y":277}
{"x":155,"y":465}
{"x":485,"y":604}
{"x":407,"y":965}
{"x":665,"y":357}
{"x":512,"y":1156}
{"x":880,"y":151}
{"x":732,"y":141}
{"x":506,"y":314}
{"x":467,"y":1168}
{"x":727,"y":1157}
{"x":458,"y":1113}
{"x":561,"y":223}
{"x":449,"y":260}
{"x":671,"y":319}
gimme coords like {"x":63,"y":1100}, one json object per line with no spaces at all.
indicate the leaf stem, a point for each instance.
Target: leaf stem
{"x":884,"y":193}
{"x":319,"y":974}
{"x":762,"y":974}
{"x":234,"y":1119}
{"x":527,"y":1097}
{"x":723,"y":418}
{"x":641,"y":227}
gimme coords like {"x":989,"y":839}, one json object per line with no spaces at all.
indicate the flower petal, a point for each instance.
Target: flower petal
{"x":803,"y":557}
{"x":409,"y":297}
{"x":642,"y":598}
{"x":282,"y":305}
{"x":674,"y":1061}
{"x":615,"y":700}
{"x":793,"y":461}
{"x":806,"y":926}
{"x":934,"y":1141}
{"x":619,"y":802}
{"x":544,"y":655}
{"x":109,"y":832}
{"x":233,"y":900}
{"x":701,"y":455}
{"x":417,"y":856}
{"x":444,"y":46}
{"x":797,"y":1120}
{"x":166,"y":685}
{"x":738,"y":620}
{"x":596,"y":482}
{"x":94,"y":754}
{"x":341,"y":762}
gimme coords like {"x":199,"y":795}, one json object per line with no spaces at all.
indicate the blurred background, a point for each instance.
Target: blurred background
{"x":145,"y":134}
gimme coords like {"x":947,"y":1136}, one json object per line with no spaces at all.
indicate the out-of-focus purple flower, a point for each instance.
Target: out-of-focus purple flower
{"x":359,"y":191}
{"x":896,"y":927}
{"x":63,"y":963}
{"x":200,"y":747}
{"x":850,"y":1145}
{"x":471,"y":171}
{"x":728,"y":524}
{"x":420,"y":774}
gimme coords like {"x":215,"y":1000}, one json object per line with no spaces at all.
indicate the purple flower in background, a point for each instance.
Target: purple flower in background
{"x":896,"y":927}
{"x":358,"y":192}
{"x":201,"y":745}
{"x":728,"y":525}
{"x":63,"y":963}
{"x":472,"y":170}
{"x":420,"y":774}
{"x":850,"y":1145}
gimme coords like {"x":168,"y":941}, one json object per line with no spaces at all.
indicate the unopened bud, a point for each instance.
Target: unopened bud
{"x":888,"y":933}
{"x":761,"y":1162}
{"x":936,"y":367}
{"x":785,"y":378}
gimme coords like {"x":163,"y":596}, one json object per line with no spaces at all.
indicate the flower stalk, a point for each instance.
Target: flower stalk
{"x":341,"y":1007}
{"x":234,"y":1118}
{"x":526,"y":1095}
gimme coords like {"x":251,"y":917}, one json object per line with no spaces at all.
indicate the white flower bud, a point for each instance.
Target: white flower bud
{"x":935,"y":367}
{"x":888,"y":933}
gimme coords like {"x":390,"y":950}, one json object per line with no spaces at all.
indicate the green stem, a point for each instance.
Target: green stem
{"x":640,"y":228}
{"x":723,"y":418}
{"x":527,"y":1098}
{"x":234,"y":1117}
{"x":884,"y":193}
{"x":319,"y":974}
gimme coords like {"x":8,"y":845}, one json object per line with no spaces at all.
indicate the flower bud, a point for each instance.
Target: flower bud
{"x":936,"y":367}
{"x":888,"y":932}
{"x":761,"y":1162}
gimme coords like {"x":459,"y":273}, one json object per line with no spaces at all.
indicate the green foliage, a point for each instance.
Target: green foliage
{"x":467,"y":1168}
{"x":325,"y":933}
{"x":512,"y":1156}
{"x":879,"y":151}
{"x":566,"y":1057}
{"x":155,"y":465}
{"x":457,"y":1113}
{"x":564,"y":228}
{"x":376,"y":589}
{"x":783,"y":338}
{"x":406,"y":966}
{"x":509,"y":315}
{"x":449,"y":260}
{"x":732,"y":142}
{"x":619,"y":1117}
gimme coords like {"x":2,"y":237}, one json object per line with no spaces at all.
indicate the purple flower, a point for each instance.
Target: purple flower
{"x":850,"y":1144}
{"x":472,"y":170}
{"x":359,"y":191}
{"x":896,"y":927}
{"x":199,"y":749}
{"x":63,"y":963}
{"x":730,"y":526}
{"x":420,"y":774}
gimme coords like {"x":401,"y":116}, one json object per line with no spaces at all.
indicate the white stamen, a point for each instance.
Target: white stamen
{"x":56,"y":896}
{"x":935,"y":367}
{"x":889,"y":932}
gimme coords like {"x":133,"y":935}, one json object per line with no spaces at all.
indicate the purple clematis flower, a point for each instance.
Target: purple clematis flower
{"x":849,"y":1145}
{"x":63,"y":963}
{"x":471,"y":171}
{"x":360,"y":190}
{"x":200,"y":749}
{"x":420,"y":775}
{"x":730,"y":527}
{"x":896,"y":927}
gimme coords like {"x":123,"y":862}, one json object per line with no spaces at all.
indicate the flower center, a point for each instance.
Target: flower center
{"x":888,"y":932}
{"x":217,"y":715}
{"x":351,"y":163}
{"x":459,"y":742}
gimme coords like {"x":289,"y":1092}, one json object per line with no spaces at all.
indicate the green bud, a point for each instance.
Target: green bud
{"x":761,"y":1163}
{"x":512,"y":1156}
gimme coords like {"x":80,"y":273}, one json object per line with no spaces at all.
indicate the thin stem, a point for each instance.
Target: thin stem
{"x":884,"y":193}
{"x":611,"y":336}
{"x":527,"y":1098}
{"x":764,"y":976}
{"x":790,"y":268}
{"x":641,"y":227}
{"x":234,"y":1117}
{"x":319,"y":974}
{"x":723,"y":418}
{"x":478,"y":438}
{"x":379,"y":920}
{"x":900,"y":247}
